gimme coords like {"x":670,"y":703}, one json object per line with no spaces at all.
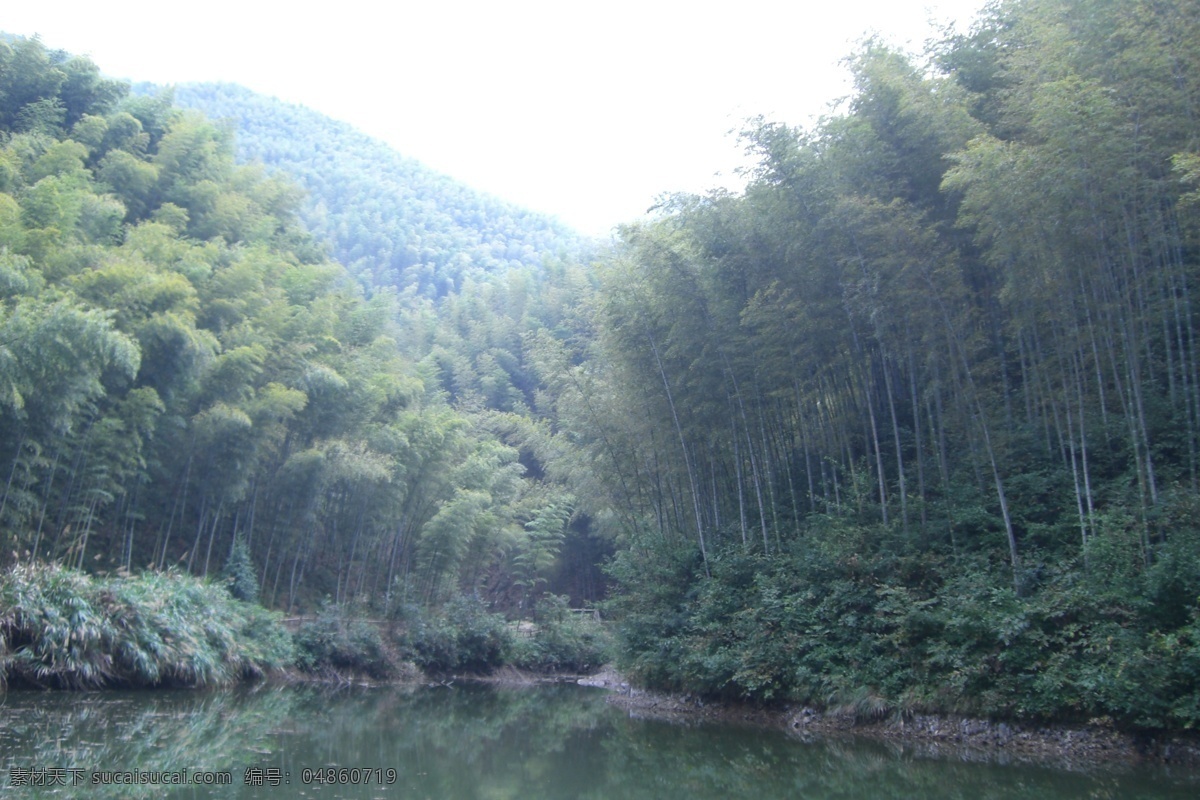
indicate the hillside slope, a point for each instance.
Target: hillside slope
{"x":391,"y":220}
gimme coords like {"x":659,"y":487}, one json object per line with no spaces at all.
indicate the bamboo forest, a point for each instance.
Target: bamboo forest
{"x":912,"y":423}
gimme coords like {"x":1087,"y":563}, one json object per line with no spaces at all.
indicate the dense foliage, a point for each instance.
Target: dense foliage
{"x":180,"y":366}
{"x":466,"y":637}
{"x":343,"y":643}
{"x":61,"y":628}
{"x":913,"y":423}
{"x":461,"y":637}
{"x":563,"y":641}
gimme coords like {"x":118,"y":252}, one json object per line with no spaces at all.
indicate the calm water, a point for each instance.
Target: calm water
{"x":479,"y":742}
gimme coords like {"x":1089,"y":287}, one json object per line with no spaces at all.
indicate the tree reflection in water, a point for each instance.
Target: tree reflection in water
{"x":487,"y":742}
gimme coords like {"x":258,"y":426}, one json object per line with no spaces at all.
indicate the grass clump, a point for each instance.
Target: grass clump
{"x":61,"y":628}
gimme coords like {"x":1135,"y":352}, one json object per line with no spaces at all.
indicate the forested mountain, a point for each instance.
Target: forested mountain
{"x":391,"y":220}
{"x":912,"y":423}
{"x":181,"y":366}
{"x":476,"y":276}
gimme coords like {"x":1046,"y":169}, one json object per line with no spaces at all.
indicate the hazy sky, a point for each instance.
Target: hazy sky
{"x":587,"y":111}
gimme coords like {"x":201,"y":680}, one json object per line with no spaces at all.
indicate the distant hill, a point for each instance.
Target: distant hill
{"x":391,"y":220}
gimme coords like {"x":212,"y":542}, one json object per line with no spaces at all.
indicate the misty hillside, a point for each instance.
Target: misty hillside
{"x":391,"y":220}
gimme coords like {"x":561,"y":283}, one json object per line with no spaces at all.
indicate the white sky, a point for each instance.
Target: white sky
{"x":587,"y":111}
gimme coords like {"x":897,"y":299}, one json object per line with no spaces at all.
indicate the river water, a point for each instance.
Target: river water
{"x":479,"y":742}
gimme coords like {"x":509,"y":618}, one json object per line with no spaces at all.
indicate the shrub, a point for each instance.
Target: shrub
{"x":53,"y":631}
{"x":563,"y":641}
{"x":266,"y":644}
{"x":63,"y":628}
{"x":336,"y":641}
{"x":464,"y":637}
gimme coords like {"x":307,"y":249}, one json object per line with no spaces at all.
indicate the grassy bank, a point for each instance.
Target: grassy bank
{"x":460,"y":638}
{"x":60,"y":628}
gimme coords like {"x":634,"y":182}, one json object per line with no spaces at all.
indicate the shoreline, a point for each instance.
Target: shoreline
{"x":1070,"y":746}
{"x":1066,"y":745}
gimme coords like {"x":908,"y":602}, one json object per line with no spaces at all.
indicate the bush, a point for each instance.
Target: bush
{"x":464,"y":637}
{"x":62,"y":628}
{"x":266,"y":644}
{"x":563,"y":641}
{"x":335,"y":641}
{"x":52,"y":631}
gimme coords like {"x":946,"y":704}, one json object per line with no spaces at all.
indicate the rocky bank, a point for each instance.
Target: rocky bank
{"x":1067,"y":745}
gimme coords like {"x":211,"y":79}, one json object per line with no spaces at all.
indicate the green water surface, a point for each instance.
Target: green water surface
{"x":482,"y":742}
